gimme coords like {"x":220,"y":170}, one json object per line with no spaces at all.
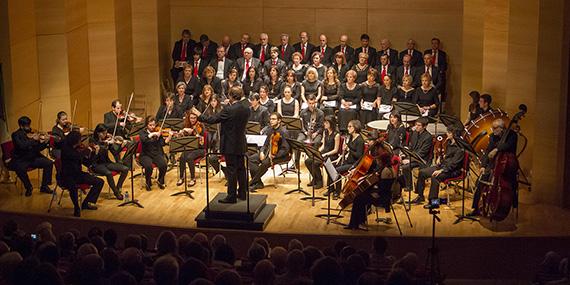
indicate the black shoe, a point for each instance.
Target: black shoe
{"x":28,"y":193}
{"x":119,"y":196}
{"x":228,"y":200}
{"x":336,"y":196}
{"x":77,"y":212}
{"x":161,"y":186}
{"x":88,"y":206}
{"x":418,"y":200}
{"x":46,"y":190}
{"x":147,"y":187}
{"x":329,"y":191}
{"x":474,"y":213}
{"x":310,"y":184}
{"x":318,"y":185}
{"x":242,"y":196}
{"x":180,"y":182}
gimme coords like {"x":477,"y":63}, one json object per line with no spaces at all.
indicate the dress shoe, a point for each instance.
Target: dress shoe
{"x":28,"y":192}
{"x":228,"y":200}
{"x":473,"y":213}
{"x":147,"y":187}
{"x":318,"y":185}
{"x":192,"y":182}
{"x":179,"y":182}
{"x":118,"y":195}
{"x":336,"y":196}
{"x":88,"y":206}
{"x":77,"y":212}
{"x":418,"y":200}
{"x":242,"y":196}
{"x":329,"y":191}
{"x":46,"y":190}
{"x":161,"y":185}
{"x":310,"y":183}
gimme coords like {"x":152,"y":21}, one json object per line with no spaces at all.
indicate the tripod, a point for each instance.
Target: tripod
{"x":130,"y":151}
{"x":432,"y":260}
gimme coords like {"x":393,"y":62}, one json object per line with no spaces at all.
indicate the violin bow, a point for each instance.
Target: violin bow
{"x":73,"y":113}
{"x":164,"y":119}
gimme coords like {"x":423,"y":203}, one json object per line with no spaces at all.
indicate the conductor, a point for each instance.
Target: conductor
{"x":233,"y":143}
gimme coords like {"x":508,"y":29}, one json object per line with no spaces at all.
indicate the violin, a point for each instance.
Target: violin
{"x":130,"y":117}
{"x":38,"y":135}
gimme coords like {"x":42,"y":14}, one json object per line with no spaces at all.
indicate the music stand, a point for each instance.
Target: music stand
{"x":467,"y":149}
{"x":317,"y":159}
{"x":131,"y":149}
{"x":413,"y":157}
{"x":449,"y":121}
{"x":174,"y":124}
{"x":253,"y":128}
{"x":336,"y":178}
{"x":297,"y":146}
{"x":182,"y":145}
{"x":135,"y":129}
{"x":407,"y":109}
{"x":295,"y":125}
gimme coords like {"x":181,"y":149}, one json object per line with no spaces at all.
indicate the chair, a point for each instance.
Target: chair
{"x":82,"y":187}
{"x":454,"y":181}
{"x":7,"y":155}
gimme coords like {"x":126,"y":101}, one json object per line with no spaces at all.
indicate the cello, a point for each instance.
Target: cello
{"x":497,"y":196}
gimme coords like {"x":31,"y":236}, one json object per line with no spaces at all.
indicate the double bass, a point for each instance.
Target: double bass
{"x":497,"y":196}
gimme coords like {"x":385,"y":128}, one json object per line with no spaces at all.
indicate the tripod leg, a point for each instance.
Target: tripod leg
{"x":395,"y":218}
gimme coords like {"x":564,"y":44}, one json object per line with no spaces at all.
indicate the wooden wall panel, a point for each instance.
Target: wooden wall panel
{"x":124,"y":55}
{"x":472,"y":59}
{"x":495,"y":54}
{"x":5,"y":61}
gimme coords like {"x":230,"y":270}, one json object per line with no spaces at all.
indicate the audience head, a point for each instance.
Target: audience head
{"x":225,"y":253}
{"x":86,"y":249}
{"x":311,"y":255}
{"x":278,"y":256}
{"x":132,"y":262}
{"x":326,"y":271}
{"x":122,"y":278}
{"x":165,"y":270}
{"x":379,"y":245}
{"x":48,"y":252}
{"x":191,"y":270}
{"x":263,"y":273}
{"x":294,"y":244}
{"x":133,"y":240}
{"x":227,"y":277}
{"x":256,"y":253}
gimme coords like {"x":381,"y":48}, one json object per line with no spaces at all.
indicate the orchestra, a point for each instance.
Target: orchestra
{"x":345,"y":98}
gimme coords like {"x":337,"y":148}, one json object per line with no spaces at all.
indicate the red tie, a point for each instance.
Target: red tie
{"x":383,"y":73}
{"x":323,"y":51}
{"x":262,"y":56}
{"x":406,"y":72}
{"x":275,"y":62}
{"x":283,"y":51}
{"x":303,"y":51}
{"x":196,"y":68}
{"x":246,"y":69}
{"x":183,"y":52}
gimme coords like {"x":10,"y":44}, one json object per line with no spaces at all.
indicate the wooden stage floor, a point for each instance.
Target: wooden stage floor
{"x":292,"y":215}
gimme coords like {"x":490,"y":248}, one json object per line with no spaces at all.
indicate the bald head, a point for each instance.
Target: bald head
{"x":323,"y":40}
{"x":304,"y":37}
{"x":263,"y":38}
{"x":343,"y":40}
{"x":385,"y":44}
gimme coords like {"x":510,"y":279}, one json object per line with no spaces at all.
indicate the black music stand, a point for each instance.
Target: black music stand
{"x":297,"y":146}
{"x":135,"y":129}
{"x":406,"y":109}
{"x":449,"y":121}
{"x":174,"y":124}
{"x":253,"y":128}
{"x":467,"y":149}
{"x":413,"y":157}
{"x":338,"y":179}
{"x":295,"y":125}
{"x":131,"y":149}
{"x":182,"y":145}
{"x":317,"y":159}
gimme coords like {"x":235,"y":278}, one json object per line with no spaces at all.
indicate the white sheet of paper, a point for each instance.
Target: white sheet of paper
{"x":368,"y":106}
{"x":304,"y":106}
{"x":385,"y":109}
{"x":352,"y":107}
{"x":258,"y":140}
{"x":331,"y":170}
{"x":330,"y":104}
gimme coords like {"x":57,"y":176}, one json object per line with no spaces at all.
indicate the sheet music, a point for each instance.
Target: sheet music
{"x":368,"y":106}
{"x":258,"y":140}
{"x":385,"y":108}
{"x":330,"y":104}
{"x":353,"y":107}
{"x":426,"y":113}
{"x":331,"y":170}
{"x":304,"y":106}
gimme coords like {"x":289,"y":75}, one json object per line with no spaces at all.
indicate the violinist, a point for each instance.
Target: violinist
{"x":173,"y":111}
{"x":72,"y":158}
{"x":488,"y":162}
{"x":380,"y":190}
{"x":450,"y":167}
{"x":59,"y":131}
{"x":102,"y":165}
{"x":329,"y":148}
{"x":352,"y":151}
{"x":275,"y":150}
{"x":421,"y":143}
{"x":116,"y":124}
{"x":396,"y":133}
{"x":27,"y":154}
{"x":191,"y":128}
{"x":152,"y":152}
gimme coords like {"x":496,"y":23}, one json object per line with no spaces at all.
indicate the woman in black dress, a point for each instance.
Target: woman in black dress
{"x":209,"y":78}
{"x":340,"y":66}
{"x":330,"y":99}
{"x":298,"y":68}
{"x":316,"y":59}
{"x":204,"y":101}
{"x":388,"y":94}
{"x":361,"y":68}
{"x":330,"y":148}
{"x":264,"y":99}
{"x":370,"y":94}
{"x":274,"y":82}
{"x":427,"y":97}
{"x":228,"y":83}
{"x":183,"y":101}
{"x":288,"y":106}
{"x":350,"y":94}
{"x":311,"y":85}
{"x":396,"y":133}
{"x":252,"y":82}
{"x":291,"y":81}
{"x":406,"y":91}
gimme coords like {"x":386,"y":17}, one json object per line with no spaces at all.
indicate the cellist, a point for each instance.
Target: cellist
{"x":487,"y":160}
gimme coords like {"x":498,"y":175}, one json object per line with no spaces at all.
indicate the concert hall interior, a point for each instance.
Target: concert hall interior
{"x":468,"y":98}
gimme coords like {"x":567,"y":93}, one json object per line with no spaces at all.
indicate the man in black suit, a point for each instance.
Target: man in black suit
{"x":439,"y":60}
{"x":326,"y":51}
{"x":428,"y":67}
{"x":198,"y":63}
{"x":385,"y":46}
{"x":421,"y":143}
{"x":233,"y":145}
{"x":116,"y":117}
{"x":261,"y":50}
{"x":27,"y":154}
{"x":304,"y":47}
{"x":366,"y":48}
{"x":346,"y":49}
{"x":274,"y":61}
{"x":415,"y":55}
{"x":221,"y":64}
{"x":405,"y":69}
{"x":237,"y":49}
{"x":226,"y":44}
{"x":385,"y":68}
{"x":207,"y":47}
{"x":181,"y":53}
{"x":245,"y":62}
{"x":259,"y":113}
{"x":285,"y":49}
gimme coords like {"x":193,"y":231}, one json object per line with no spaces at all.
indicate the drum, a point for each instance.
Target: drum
{"x":436,"y":129}
{"x":477,"y":131}
{"x":380,"y":125}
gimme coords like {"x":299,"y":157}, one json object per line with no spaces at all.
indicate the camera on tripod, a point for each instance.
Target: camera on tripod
{"x":436,"y":202}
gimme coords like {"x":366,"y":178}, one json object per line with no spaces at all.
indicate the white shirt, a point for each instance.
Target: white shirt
{"x":245,"y":68}
{"x":220,"y":69}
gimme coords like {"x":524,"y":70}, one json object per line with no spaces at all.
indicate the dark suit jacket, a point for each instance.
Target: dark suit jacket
{"x":286,"y":54}
{"x":228,"y":64}
{"x":393,"y":56}
{"x":308,"y":52}
{"x":257,"y":52}
{"x":372,"y":56}
{"x":421,"y":143}
{"x":328,"y":57}
{"x":26,"y":149}
{"x":210,"y":51}
{"x":240,"y":65}
{"x":192,"y":86}
{"x":417,"y":58}
{"x":233,"y":119}
{"x":235,"y":50}
{"x":349,"y":54}
{"x":391,"y":71}
{"x":109,"y":120}
{"x":435,"y":76}
{"x":441,"y":57}
{"x":151,"y":147}
{"x":177,"y":50}
{"x":203,"y":63}
{"x":400,"y":73}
